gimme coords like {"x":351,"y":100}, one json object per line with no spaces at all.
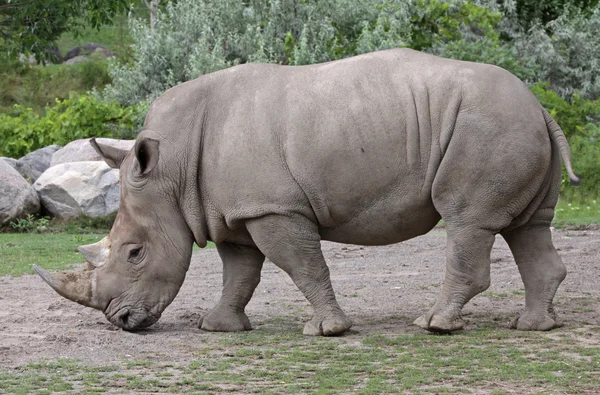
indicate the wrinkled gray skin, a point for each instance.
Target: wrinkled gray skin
{"x":268,"y":160}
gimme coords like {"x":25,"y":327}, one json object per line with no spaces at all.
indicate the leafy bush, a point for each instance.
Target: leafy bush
{"x":486,"y":50}
{"x":193,"y":38}
{"x":74,"y":118}
{"x":569,"y":56}
{"x":436,"y":22}
{"x":30,"y":224}
{"x":580,"y":120}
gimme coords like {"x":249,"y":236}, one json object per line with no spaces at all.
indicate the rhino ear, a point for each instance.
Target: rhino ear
{"x":146,"y":152}
{"x":112,"y":156}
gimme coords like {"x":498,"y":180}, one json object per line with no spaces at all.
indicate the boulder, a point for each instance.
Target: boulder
{"x":72,"y":189}
{"x":32,"y":165}
{"x":10,"y":161}
{"x":81,"y":150}
{"x":76,"y":59}
{"x":17,"y":197}
{"x":81,"y":52}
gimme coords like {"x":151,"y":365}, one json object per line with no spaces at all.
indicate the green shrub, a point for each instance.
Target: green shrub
{"x":70,"y":119}
{"x":488,"y":50}
{"x":30,"y":224}
{"x":435,"y":22}
{"x":569,"y":56}
{"x":197,"y":37}
{"x":580,"y":120}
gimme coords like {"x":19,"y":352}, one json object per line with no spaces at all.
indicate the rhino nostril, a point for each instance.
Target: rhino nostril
{"x":123,"y":318}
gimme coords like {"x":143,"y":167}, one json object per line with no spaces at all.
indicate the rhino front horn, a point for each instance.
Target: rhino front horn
{"x":77,"y":286}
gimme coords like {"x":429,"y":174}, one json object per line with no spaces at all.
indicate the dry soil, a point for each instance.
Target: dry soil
{"x":382,"y":289}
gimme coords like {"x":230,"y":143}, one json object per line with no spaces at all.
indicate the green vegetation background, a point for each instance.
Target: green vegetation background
{"x":553,"y":47}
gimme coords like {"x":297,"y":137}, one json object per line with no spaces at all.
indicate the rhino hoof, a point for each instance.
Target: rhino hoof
{"x":310,"y":329}
{"x":534,"y":322}
{"x":215,"y":322}
{"x":328,"y":327}
{"x":440,"y":324}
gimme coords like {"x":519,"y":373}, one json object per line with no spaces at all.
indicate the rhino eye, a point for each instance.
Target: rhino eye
{"x":134,"y":254}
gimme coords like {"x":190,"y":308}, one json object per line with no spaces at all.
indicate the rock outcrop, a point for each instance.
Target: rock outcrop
{"x":17,"y":197}
{"x":32,"y":165}
{"x":79,"y":188}
{"x":81,"y":150}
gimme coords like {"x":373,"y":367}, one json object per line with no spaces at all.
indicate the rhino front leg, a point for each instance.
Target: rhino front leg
{"x":241,"y":275}
{"x":542,"y":271}
{"x":293,"y":243}
{"x":467,"y":274}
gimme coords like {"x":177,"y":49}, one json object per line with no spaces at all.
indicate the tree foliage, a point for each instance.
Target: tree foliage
{"x":192,"y":38}
{"x":569,"y":57}
{"x":32,"y":26}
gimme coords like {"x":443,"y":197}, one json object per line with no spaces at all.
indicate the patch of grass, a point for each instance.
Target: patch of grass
{"x":50,"y":251}
{"x":82,"y":224}
{"x":284,"y":361}
{"x":51,"y":244}
{"x":39,"y":86}
{"x":577,"y":210}
{"x":79,"y":225}
{"x":115,"y":37}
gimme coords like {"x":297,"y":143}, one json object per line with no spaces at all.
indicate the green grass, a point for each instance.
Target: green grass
{"x":18,"y":251}
{"x":50,"y":251}
{"x":39,"y":86}
{"x":51,"y":244}
{"x":116,"y":38}
{"x":281,"y":360}
{"x":577,"y":210}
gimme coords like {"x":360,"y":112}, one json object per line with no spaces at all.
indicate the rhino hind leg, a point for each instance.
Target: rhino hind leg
{"x":241,"y":275}
{"x":293,"y":243}
{"x":467,"y":274}
{"x":542,"y":271}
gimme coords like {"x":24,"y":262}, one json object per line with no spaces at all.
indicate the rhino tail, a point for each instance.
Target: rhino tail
{"x":558,"y":137}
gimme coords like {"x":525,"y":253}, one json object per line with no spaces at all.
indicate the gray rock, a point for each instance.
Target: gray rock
{"x":82,"y":50}
{"x":17,"y":197}
{"x":72,"y":189}
{"x":76,"y":59}
{"x":10,"y":161}
{"x":32,"y":165}
{"x":81,"y":150}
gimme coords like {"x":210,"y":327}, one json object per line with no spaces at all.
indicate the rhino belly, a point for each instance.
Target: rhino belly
{"x":386,"y":222}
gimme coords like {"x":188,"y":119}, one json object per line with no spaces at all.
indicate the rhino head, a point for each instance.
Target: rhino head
{"x":136,"y":271}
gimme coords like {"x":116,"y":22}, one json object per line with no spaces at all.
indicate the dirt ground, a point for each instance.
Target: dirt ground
{"x":382,"y":289}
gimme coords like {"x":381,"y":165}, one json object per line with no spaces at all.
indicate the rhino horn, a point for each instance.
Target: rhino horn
{"x":78,"y":286}
{"x":97,"y":253}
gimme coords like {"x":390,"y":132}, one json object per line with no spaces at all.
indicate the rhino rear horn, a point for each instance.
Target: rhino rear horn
{"x":112,"y":156}
{"x":97,"y":253}
{"x":77,"y":286}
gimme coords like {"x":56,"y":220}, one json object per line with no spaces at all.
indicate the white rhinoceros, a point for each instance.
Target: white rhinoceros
{"x":268,"y":160}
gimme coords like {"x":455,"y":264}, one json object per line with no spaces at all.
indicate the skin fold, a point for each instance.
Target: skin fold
{"x":268,"y":160}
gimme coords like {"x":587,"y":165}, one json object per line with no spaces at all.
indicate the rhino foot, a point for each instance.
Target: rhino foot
{"x":535,"y":322}
{"x":330,"y":326}
{"x":439,"y":323}
{"x":223,"y":320}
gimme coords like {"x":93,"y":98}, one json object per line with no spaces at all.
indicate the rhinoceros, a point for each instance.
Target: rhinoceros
{"x":268,"y":160}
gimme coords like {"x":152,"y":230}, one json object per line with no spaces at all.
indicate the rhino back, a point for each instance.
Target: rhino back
{"x":353,"y":144}
{"x":338,"y":142}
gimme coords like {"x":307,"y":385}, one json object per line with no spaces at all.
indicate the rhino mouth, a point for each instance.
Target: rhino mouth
{"x":132,"y":319}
